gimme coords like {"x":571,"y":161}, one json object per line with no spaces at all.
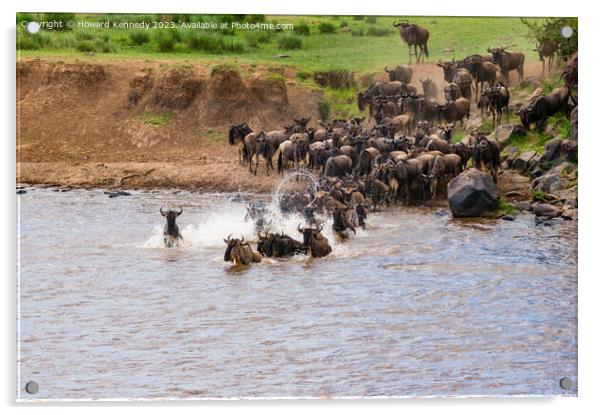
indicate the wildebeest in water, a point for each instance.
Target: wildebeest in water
{"x":239,"y":252}
{"x":171,"y":232}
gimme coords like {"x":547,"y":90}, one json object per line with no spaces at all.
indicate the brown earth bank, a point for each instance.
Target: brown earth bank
{"x":152,"y":123}
{"x":126,"y":124}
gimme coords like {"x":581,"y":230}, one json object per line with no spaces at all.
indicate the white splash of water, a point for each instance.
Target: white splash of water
{"x":210,"y":232}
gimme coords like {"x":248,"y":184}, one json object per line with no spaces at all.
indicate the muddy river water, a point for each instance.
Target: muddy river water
{"x":417,"y":304}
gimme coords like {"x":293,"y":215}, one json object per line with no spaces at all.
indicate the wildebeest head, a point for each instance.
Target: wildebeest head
{"x":170,"y":215}
{"x":362,"y":100}
{"x":449,"y":69}
{"x":238,"y":131}
{"x":496,"y":54}
{"x":302,"y":122}
{"x":231,"y":243}
{"x":308,"y":234}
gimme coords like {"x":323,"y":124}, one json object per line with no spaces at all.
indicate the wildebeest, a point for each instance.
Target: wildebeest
{"x":452,"y":92}
{"x":543,"y":107}
{"x":171,"y":232}
{"x":378,"y":191}
{"x":445,"y":165}
{"x":401,"y":73}
{"x":455,"y":111}
{"x":463,"y":151}
{"x":343,"y":219}
{"x":254,"y":142}
{"x":365,"y":162}
{"x":507,"y":61}
{"x":269,"y":143}
{"x":481,"y":72}
{"x":237,"y":133}
{"x":314,"y":243}
{"x":338,"y":166}
{"x":486,"y":154}
{"x":239,"y":252}
{"x":278,"y":245}
{"x":495,"y":100}
{"x":416,"y":36}
{"x":429,"y":88}
{"x":546,"y":50}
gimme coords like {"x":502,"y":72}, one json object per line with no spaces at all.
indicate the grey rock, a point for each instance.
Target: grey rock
{"x":472,"y":193}
{"x":522,"y":162}
{"x":545,"y":209}
{"x":569,"y":212}
{"x":523,"y":206}
{"x":119,"y":193}
{"x":574,"y":126}
{"x":558,"y":178}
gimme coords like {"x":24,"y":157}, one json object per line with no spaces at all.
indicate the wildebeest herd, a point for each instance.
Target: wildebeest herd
{"x":402,"y":152}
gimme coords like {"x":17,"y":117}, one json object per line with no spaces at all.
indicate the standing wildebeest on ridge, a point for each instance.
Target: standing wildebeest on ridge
{"x":237,"y":133}
{"x":414,"y":35}
{"x":508,"y":61}
{"x":171,"y":232}
{"x":546,"y":50}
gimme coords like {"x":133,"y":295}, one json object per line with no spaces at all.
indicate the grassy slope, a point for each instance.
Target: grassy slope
{"x":466,"y":35}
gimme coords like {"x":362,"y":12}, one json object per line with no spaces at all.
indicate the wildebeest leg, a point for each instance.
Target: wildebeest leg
{"x":520,"y":73}
{"x":410,"y":54}
{"x":256,"y":163}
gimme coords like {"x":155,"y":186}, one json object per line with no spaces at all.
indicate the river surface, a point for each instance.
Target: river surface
{"x":418,"y":304}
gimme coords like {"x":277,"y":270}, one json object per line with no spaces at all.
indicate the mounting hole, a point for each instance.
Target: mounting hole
{"x":32,"y":27}
{"x":32,"y":387}
{"x":566,"y":31}
{"x":566,"y":383}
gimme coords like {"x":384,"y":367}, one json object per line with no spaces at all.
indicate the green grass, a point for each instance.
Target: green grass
{"x":538,"y":196}
{"x":320,"y":51}
{"x":532,"y":141}
{"x":342,"y":103}
{"x":504,"y":207}
{"x":157,"y":119}
{"x":212,"y":135}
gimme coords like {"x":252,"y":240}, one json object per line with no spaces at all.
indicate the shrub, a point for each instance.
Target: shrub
{"x":343,"y":24}
{"x":85,"y":46}
{"x":255,"y":37}
{"x":327,"y":28}
{"x":28,"y":41}
{"x":358,"y":17}
{"x":165,"y":42}
{"x":84,"y":35}
{"x":104,"y":45}
{"x":235,"y":45}
{"x":357,"y":32}
{"x":254,"y":18}
{"x":302,"y":29}
{"x":290,"y":42}
{"x":202,"y":41}
{"x":324,"y":109}
{"x":377,"y":31}
{"x":371,"y":19}
{"x":139,"y":37}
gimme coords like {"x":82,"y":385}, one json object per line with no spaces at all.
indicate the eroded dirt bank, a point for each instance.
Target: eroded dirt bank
{"x":125,"y":124}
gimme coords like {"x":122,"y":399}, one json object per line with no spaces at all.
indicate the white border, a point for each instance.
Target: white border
{"x":590,"y":148}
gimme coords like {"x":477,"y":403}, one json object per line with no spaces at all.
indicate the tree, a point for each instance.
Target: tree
{"x":550,"y":31}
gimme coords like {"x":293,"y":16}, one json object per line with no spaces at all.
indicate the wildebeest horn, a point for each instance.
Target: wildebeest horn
{"x":489,"y":48}
{"x":161,"y":211}
{"x":299,"y":228}
{"x":242,"y":238}
{"x":228,"y":239}
{"x":181,"y":210}
{"x":387,"y":69}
